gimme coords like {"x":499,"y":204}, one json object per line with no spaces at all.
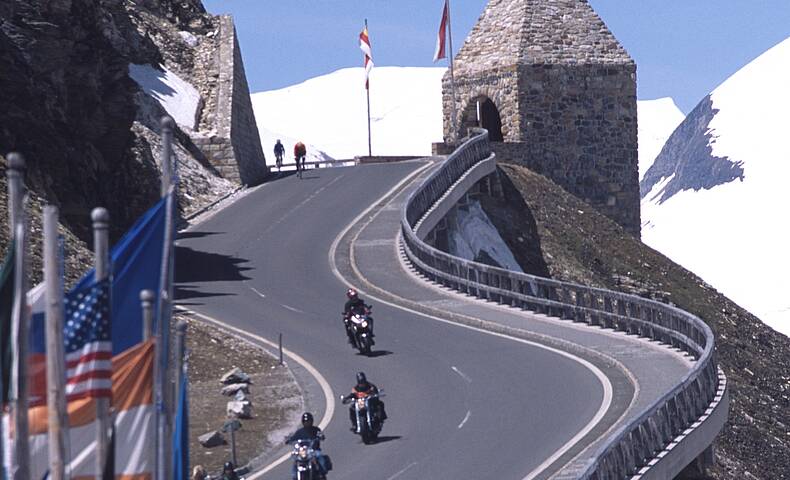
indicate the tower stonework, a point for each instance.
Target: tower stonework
{"x":557,"y":92}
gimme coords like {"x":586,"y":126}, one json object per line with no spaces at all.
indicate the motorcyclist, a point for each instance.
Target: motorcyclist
{"x":364,"y":388}
{"x":310,"y":432}
{"x":279,"y":151}
{"x":355,"y":305}
{"x":229,"y":472}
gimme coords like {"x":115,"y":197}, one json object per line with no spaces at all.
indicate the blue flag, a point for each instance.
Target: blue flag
{"x":181,"y":432}
{"x":136,"y":265}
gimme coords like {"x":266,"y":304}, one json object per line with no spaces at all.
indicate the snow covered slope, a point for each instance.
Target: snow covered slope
{"x":330,"y":111}
{"x":657,"y":120}
{"x":715,"y":200}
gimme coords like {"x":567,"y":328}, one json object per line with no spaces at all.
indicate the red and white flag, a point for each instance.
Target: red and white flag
{"x":364,"y":45}
{"x":441,"y":41}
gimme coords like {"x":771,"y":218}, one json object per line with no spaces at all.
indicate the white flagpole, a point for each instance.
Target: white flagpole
{"x":367,"y":89}
{"x":56,"y":371}
{"x":452,"y":70}
{"x":101,"y":226}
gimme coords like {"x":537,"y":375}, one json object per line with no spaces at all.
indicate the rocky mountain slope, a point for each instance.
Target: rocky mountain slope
{"x":88,"y":132}
{"x":553,"y":233}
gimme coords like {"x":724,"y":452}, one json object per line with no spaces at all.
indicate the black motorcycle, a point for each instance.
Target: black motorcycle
{"x":306,"y":461}
{"x":359,"y":326}
{"x":369,"y":424}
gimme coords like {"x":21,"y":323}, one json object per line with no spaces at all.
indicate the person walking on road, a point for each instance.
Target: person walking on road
{"x":300,"y":152}
{"x":279,"y":150}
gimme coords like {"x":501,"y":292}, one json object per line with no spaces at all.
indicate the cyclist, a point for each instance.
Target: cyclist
{"x":300,"y":152}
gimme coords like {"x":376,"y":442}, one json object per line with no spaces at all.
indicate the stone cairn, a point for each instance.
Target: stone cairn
{"x":237,"y":385}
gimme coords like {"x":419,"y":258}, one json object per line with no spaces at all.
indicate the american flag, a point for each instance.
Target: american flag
{"x":88,"y":342}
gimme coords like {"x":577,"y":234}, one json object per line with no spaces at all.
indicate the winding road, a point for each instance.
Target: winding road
{"x":462,"y":403}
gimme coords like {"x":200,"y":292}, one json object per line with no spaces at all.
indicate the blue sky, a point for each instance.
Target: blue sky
{"x":683,"y":48}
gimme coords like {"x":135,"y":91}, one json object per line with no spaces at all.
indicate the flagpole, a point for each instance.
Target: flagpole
{"x":19,"y":321}
{"x":367,"y":89}
{"x":56,"y":372}
{"x":101,"y":225}
{"x":452,"y":69}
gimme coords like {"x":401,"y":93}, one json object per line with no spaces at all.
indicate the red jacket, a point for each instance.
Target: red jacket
{"x":300,"y":150}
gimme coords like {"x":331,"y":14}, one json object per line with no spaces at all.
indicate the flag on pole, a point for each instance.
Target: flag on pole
{"x":181,"y":434}
{"x":134,"y":422}
{"x":364,"y":45}
{"x":441,"y":41}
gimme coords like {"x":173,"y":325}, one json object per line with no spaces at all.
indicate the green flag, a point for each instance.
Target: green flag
{"x":6,"y":309}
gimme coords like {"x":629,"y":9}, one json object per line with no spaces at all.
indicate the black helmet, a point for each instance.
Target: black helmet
{"x":228,"y":466}
{"x":307,"y":419}
{"x":361,"y":378}
{"x":351,"y":293}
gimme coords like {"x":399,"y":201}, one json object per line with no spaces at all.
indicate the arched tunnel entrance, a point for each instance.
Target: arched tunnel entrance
{"x":482,"y":112}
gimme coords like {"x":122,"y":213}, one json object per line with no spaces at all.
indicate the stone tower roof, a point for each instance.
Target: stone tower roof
{"x":527,"y":32}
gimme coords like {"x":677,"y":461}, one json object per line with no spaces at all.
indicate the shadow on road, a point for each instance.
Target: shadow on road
{"x":379,"y":353}
{"x":185,"y":235}
{"x":386,"y":439}
{"x":196,"y":266}
{"x":181,"y":292}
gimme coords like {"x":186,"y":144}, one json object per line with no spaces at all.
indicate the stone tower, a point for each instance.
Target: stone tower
{"x":557,"y":92}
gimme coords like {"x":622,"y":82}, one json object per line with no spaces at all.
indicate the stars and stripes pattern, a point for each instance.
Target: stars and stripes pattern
{"x":88,"y":342}
{"x":364,"y":45}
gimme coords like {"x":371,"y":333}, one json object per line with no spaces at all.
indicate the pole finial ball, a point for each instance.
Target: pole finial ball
{"x":16,"y":161}
{"x":147,"y":295}
{"x":100,"y":215}
{"x":167,"y":123}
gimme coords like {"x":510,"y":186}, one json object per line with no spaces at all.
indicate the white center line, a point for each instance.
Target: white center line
{"x":466,"y":418}
{"x":462,"y":374}
{"x":259,"y":293}
{"x":292,"y":308}
{"x":402,"y":471}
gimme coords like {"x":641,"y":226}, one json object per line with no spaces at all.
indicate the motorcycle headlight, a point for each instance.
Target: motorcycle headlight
{"x":360,"y":403}
{"x":302,"y":452}
{"x":364,"y":324}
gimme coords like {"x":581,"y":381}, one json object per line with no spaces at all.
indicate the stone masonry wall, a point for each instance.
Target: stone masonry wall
{"x":234,"y":145}
{"x":579,"y":125}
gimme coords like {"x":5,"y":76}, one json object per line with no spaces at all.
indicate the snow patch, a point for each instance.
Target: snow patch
{"x":178,"y":97}
{"x":189,"y":39}
{"x":474,"y":235}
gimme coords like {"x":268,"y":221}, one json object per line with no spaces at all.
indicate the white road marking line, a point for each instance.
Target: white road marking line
{"x":259,"y":293}
{"x":402,"y":471}
{"x":462,"y":374}
{"x":466,"y":418}
{"x":325,"y":387}
{"x":296,"y":310}
{"x":605,"y":383}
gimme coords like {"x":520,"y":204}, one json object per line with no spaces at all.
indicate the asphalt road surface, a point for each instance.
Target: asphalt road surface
{"x":462,"y":404}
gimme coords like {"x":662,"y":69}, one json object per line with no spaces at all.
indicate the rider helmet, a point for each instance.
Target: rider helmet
{"x":228,"y":467}
{"x":351,"y":293}
{"x":361,"y":378}
{"x":307,"y":419}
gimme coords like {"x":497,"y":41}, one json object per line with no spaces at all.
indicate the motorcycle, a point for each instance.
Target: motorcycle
{"x":369,"y":424}
{"x":306,"y":461}
{"x":360,"y":327}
